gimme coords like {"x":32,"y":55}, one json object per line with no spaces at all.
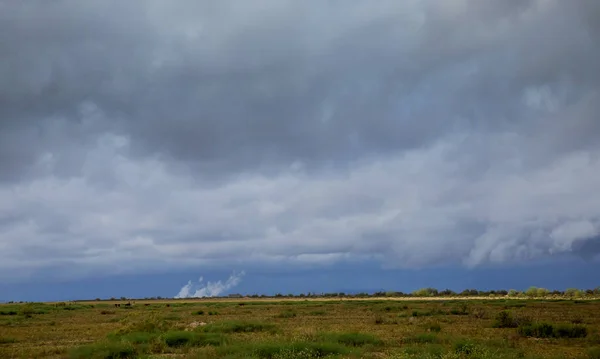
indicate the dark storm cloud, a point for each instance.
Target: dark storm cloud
{"x":413,"y":132}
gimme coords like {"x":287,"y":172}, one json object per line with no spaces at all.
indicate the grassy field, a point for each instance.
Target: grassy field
{"x":300,"y":328}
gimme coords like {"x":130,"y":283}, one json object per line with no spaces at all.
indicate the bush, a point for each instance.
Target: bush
{"x":238,"y":327}
{"x":425,"y":292}
{"x":464,"y":347}
{"x":426,"y":338}
{"x":283,"y":350}
{"x":286,"y":314}
{"x":199,"y":312}
{"x":352,"y":339}
{"x":479,"y":313}
{"x":570,"y":331}
{"x":435,"y":327}
{"x":537,"y":330}
{"x":573,"y":292}
{"x":594,"y":353}
{"x":536,"y":292}
{"x":504,"y":320}
{"x":545,"y":330}
{"x":180,"y":339}
{"x":104,"y":351}
{"x":138,"y":337}
{"x":6,"y":340}
{"x":149,"y":325}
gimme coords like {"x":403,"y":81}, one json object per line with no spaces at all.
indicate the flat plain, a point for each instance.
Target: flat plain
{"x":303,"y":328}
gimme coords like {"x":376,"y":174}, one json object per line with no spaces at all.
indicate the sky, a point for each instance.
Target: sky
{"x":293,"y":146}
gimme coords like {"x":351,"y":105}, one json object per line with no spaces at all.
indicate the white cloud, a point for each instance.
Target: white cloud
{"x":173,"y":135}
{"x":416,"y":209}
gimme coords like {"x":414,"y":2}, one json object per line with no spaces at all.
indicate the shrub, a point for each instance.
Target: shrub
{"x":287,"y":314}
{"x":425,"y":338}
{"x":138,"y":337}
{"x":464,"y":347}
{"x":302,"y":350}
{"x":104,"y":351}
{"x":148,"y":325}
{"x":199,"y":312}
{"x":352,"y":339}
{"x":180,"y":339}
{"x":479,"y":313}
{"x":318,"y":312}
{"x":425,"y":292}
{"x":6,"y":340}
{"x":504,"y":320}
{"x":545,"y":330}
{"x":570,"y":331}
{"x":238,"y":327}
{"x":435,"y":327}
{"x":106,"y":312}
{"x":537,"y":330}
{"x":536,"y":292}
{"x":573,"y":292}
{"x":27,"y":311}
{"x":593,"y":353}
{"x":577,"y":320}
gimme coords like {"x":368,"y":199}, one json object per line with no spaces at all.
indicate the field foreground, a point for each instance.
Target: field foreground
{"x":300,"y":328}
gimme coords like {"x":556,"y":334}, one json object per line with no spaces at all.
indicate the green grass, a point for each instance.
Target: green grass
{"x":593,"y":353}
{"x":7,"y":340}
{"x":334,"y":328}
{"x":546,"y":330}
{"x":352,"y":339}
{"x":238,"y":327}
{"x":434,"y":327}
{"x":287,"y":314}
{"x":182,"y":338}
{"x":284,"y":350}
{"x":106,"y":350}
{"x":138,"y":337}
{"x":424,"y":338}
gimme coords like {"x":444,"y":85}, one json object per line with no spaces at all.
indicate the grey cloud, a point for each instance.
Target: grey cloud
{"x":193,"y":132}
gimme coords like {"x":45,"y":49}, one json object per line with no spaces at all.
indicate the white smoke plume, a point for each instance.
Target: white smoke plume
{"x":211,"y":289}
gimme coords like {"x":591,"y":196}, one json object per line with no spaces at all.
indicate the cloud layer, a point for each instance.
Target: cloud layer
{"x":155,"y":134}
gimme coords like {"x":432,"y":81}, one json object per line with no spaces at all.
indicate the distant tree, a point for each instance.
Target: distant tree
{"x":513,"y":293}
{"x":425,"y":292}
{"x":531,"y":291}
{"x":573,"y":292}
{"x":536,"y":292}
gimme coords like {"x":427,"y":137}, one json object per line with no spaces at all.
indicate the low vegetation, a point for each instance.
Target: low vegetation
{"x":525,"y":327}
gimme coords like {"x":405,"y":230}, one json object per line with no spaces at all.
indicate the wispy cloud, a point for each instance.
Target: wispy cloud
{"x":211,"y":289}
